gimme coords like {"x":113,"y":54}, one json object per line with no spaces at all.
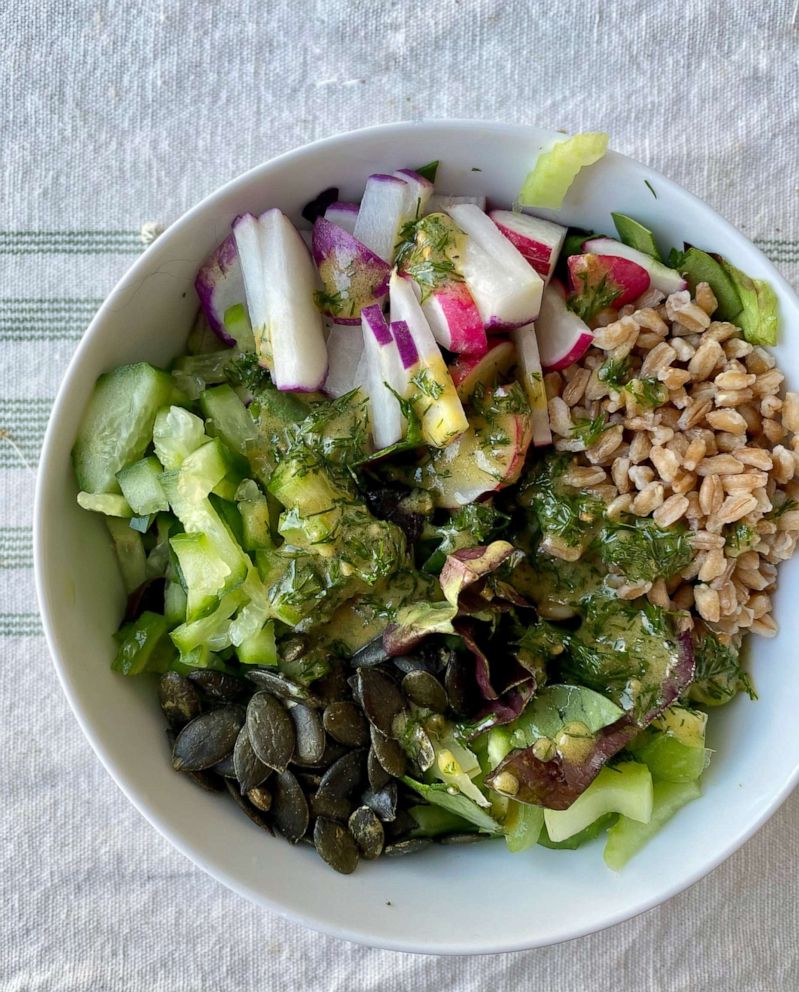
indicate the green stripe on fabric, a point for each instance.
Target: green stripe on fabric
{"x":20,"y":625}
{"x":46,"y":319}
{"x":71,"y":242}
{"x":16,"y":547}
{"x":22,"y":426}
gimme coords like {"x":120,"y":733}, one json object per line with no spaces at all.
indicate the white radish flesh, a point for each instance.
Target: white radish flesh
{"x":343,"y":214}
{"x":249,"y":243}
{"x":505,"y":288}
{"x":383,"y":373}
{"x":471,"y":371}
{"x":344,"y":351}
{"x":419,"y":189}
{"x":532,"y":378}
{"x":443,"y":201}
{"x":385,"y":208}
{"x":562,"y":337}
{"x":220,"y":285}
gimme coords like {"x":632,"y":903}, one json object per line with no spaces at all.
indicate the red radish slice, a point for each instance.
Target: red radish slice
{"x":505,"y":288}
{"x":420,"y":190}
{"x":295,"y":328}
{"x":532,"y":378}
{"x":562,"y":337}
{"x":427,"y":383}
{"x":385,"y":208}
{"x":540,"y":241}
{"x":343,"y":214}
{"x":661,"y":276}
{"x":220,"y":285}
{"x":248,"y":234}
{"x":344,"y":351}
{"x":611,"y":273}
{"x":454,"y":319}
{"x":353,"y":277}
{"x":469,"y":371}
{"x":441,"y":202}
{"x":384,"y":372}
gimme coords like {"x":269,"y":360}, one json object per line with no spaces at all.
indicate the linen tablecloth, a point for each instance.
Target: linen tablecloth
{"x":117,"y":113}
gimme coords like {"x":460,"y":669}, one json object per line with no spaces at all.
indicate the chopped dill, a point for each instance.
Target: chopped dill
{"x":778,"y":511}
{"x":592,"y":298}
{"x":718,"y":675}
{"x":561,"y":511}
{"x":648,"y":392}
{"x":739,"y":538}
{"x":614,"y":372}
{"x":333,"y":303}
{"x":642,"y":551}
{"x":590,"y":431}
{"x":427,"y":385}
{"x":651,"y":188}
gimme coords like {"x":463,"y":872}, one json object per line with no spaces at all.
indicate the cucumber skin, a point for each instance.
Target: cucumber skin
{"x":117,"y":425}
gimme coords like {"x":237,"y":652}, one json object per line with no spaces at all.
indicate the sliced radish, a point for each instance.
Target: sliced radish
{"x":406,"y":346}
{"x":220,"y":285}
{"x":420,"y":190}
{"x":505,"y":288}
{"x":471,"y":371}
{"x":454,"y":319}
{"x":384,"y":372}
{"x":343,"y":214}
{"x":290,"y":331}
{"x":662,"y":277}
{"x":488,"y":457}
{"x":562,"y":337}
{"x":427,"y":383}
{"x":532,"y":378}
{"x":540,"y":241}
{"x":443,"y":201}
{"x":607,"y":274}
{"x":344,"y":351}
{"x":353,"y":277}
{"x":249,"y":243}
{"x":385,"y":208}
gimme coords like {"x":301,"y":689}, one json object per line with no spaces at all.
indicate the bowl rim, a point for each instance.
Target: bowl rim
{"x":316,"y":921}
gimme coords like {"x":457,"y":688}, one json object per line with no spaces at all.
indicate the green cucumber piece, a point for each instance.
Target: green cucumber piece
{"x":140,"y":483}
{"x":592,"y":831}
{"x":228,"y":418}
{"x":176,"y":434}
{"x":255,"y":516}
{"x":697,"y":266}
{"x":143,"y":646}
{"x":238,"y":326}
{"x":634,"y":234}
{"x":259,"y":648}
{"x":627,"y":836}
{"x":130,"y":552}
{"x":176,"y":603}
{"x":673,"y":747}
{"x":118,"y":423}
{"x":522,"y":825}
{"x":204,"y":573}
{"x":433,"y":821}
{"x":111,"y":504}
{"x":625,"y":788}
{"x":211,"y":632}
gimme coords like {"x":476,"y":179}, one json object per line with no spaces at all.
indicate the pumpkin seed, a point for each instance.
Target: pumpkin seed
{"x":271,"y":731}
{"x":346,"y":724}
{"x":378,"y":776}
{"x":219,"y":686}
{"x":309,"y":734}
{"x":209,"y":781}
{"x":380,"y":698}
{"x":383,"y":803}
{"x":249,"y":769}
{"x":333,"y":798}
{"x":179,"y":700}
{"x":280,"y":685}
{"x":244,"y":804}
{"x":226,"y":767}
{"x":460,"y":686}
{"x":424,"y":689}
{"x":370,"y":654}
{"x":333,"y":751}
{"x":367,"y":832}
{"x":332,"y":687}
{"x":335,"y":845}
{"x":261,"y":798}
{"x":208,"y":739}
{"x":402,"y":825}
{"x":289,"y":806}
{"x":402,"y":847}
{"x":411,"y":663}
{"x":389,"y":753}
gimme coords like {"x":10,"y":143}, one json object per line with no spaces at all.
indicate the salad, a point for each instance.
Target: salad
{"x":450,"y":523}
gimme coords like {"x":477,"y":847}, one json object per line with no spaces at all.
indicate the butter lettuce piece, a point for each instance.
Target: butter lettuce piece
{"x":556,"y":169}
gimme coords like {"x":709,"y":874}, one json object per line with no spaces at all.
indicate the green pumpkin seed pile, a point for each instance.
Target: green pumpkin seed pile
{"x":316,"y":764}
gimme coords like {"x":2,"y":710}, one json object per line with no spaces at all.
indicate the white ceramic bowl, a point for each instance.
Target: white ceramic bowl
{"x":445,"y":900}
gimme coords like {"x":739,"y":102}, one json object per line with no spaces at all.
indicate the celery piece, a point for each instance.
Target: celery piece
{"x":627,"y":836}
{"x":624,"y":788}
{"x":557,"y":167}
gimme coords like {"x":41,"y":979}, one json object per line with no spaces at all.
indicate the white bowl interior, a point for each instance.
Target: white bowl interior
{"x":446,"y":900}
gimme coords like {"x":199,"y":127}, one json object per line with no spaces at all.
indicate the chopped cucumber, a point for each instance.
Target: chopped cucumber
{"x":591,"y":832}
{"x":175,"y":603}
{"x":130,"y":552}
{"x":238,"y":326}
{"x":228,"y":418}
{"x":204,"y":573}
{"x":176,"y":434}
{"x":118,"y":424}
{"x":255,"y":516}
{"x":522,"y":825}
{"x":140,"y":483}
{"x":634,"y":234}
{"x":143,"y":646}
{"x":627,"y":836}
{"x":625,"y":788}
{"x":434,"y":821}
{"x":259,"y":648}
{"x":111,"y":504}
{"x":211,"y":632}
{"x":673,"y":747}
{"x":697,"y":266}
